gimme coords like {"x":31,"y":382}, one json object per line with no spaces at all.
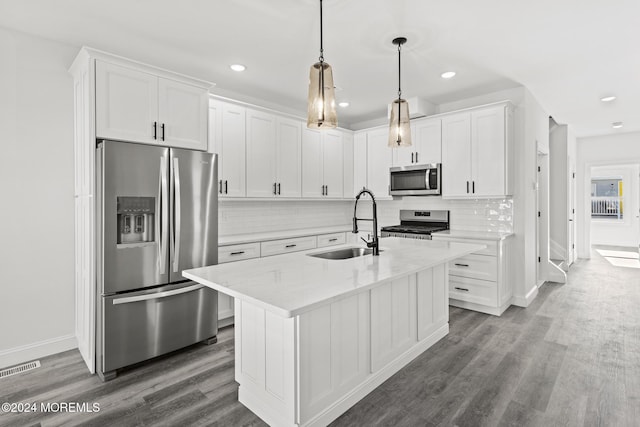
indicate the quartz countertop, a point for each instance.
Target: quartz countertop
{"x":236,"y":239}
{"x":291,"y":284}
{"x":472,"y":235}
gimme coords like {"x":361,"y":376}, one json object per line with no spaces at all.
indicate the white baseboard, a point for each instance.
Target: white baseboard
{"x":29,"y":352}
{"x":521,"y":301}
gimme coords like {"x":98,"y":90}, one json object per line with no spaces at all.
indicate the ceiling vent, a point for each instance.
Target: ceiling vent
{"x":418,"y":107}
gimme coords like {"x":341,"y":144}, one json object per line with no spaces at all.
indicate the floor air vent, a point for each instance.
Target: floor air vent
{"x":19,"y":369}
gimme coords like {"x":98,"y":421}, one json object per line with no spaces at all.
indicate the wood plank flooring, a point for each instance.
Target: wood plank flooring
{"x":572,"y":358}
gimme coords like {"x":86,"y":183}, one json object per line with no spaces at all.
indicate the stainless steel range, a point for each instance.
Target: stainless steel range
{"x":417,"y":224}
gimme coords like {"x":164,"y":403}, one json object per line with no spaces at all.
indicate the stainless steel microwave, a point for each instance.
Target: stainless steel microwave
{"x":415,"y":180}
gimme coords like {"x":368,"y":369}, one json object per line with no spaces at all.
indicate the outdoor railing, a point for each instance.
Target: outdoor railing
{"x":606,"y":207}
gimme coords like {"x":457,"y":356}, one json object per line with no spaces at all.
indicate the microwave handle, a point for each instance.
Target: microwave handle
{"x":426,"y":179}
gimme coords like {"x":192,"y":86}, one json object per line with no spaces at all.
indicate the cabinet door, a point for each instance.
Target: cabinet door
{"x":333,"y":162}
{"x":427,"y":135}
{"x":261,"y":154}
{"x":406,"y":156}
{"x":215,"y":134}
{"x":182,"y":114}
{"x":359,"y":162}
{"x":289,"y":157}
{"x":456,"y":155}
{"x":312,"y":183}
{"x":379,"y":157}
{"x":347,"y":145}
{"x":232,"y":157}
{"x":488,"y":148}
{"x":126,"y":104}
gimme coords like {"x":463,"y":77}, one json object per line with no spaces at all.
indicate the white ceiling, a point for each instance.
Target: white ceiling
{"x":569,"y":53}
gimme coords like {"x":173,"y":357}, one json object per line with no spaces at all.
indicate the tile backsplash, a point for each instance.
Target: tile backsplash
{"x":250,"y":216}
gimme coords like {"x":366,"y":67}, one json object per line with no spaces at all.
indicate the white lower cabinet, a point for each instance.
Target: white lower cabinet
{"x":331,"y":239}
{"x":309,"y":369}
{"x":283,"y":246}
{"x":481,"y":281}
{"x":226,"y":254}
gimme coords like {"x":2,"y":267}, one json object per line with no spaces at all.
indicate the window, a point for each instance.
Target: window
{"x":606,"y":198}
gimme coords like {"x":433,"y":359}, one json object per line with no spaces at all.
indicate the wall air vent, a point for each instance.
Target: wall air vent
{"x":19,"y":369}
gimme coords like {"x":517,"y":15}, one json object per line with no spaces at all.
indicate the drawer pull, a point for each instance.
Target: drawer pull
{"x":291,"y":246}
{"x":461,"y":289}
{"x":335,"y":239}
{"x":461,"y":265}
{"x":237,"y":253}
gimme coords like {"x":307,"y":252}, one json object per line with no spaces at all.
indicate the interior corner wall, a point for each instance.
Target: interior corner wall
{"x":618,"y":148}
{"x":37,"y":215}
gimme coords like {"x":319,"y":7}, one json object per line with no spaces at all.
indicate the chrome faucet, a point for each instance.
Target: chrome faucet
{"x":374,"y":243}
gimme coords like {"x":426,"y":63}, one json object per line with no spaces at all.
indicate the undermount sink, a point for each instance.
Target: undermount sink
{"x":344,"y":253}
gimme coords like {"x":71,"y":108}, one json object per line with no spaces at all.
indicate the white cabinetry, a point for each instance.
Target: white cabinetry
{"x":283,"y":246}
{"x":426,"y":135}
{"x":379,"y":160}
{"x":481,"y":281}
{"x":322,"y":164}
{"x":227,"y":133}
{"x":347,"y":143}
{"x":137,"y":106}
{"x":229,"y":254}
{"x":476,"y":153}
{"x":359,"y":162}
{"x":273,"y":155}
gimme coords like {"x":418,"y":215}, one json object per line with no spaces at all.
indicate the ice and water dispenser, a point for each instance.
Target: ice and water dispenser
{"x":136,"y":216}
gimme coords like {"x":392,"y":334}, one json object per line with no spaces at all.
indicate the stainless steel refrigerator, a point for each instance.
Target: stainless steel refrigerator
{"x":157,"y":211}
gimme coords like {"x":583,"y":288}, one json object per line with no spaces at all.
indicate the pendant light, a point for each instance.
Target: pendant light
{"x":321,"y":111}
{"x":399,"y":127}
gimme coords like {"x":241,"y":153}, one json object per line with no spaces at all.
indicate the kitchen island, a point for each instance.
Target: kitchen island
{"x":313,"y":336}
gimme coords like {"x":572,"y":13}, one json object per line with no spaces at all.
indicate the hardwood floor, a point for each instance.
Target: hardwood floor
{"x":571,"y":358}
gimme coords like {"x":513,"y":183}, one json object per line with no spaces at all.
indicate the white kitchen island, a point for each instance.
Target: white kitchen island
{"x":313,"y":336}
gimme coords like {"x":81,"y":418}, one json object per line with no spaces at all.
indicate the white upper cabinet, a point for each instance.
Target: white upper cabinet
{"x":126,"y":104}
{"x":347,"y":144}
{"x":322,"y":164}
{"x":456,"y":155}
{"x":426,"y":135}
{"x":182,"y":114}
{"x":289,"y":157}
{"x":273,"y":155}
{"x":137,"y":106}
{"x":379,"y":160}
{"x":476,"y":153}
{"x":359,"y":162}
{"x":227,"y":135}
{"x":261,"y":154}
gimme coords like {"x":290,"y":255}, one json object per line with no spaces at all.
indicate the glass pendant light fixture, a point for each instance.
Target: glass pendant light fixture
{"x":321,"y":110}
{"x":399,"y":127}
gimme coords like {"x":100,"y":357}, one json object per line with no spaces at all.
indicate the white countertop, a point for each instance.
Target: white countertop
{"x":473,"y":235}
{"x":236,"y":239}
{"x":294,"y":283}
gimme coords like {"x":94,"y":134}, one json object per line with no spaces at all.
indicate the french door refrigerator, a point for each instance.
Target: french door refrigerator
{"x":157,"y":211}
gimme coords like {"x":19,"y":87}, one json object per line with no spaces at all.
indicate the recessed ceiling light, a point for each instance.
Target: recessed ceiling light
{"x":237,"y":67}
{"x":343,"y":104}
{"x":448,"y":74}
{"x":616,"y":125}
{"x":608,"y":98}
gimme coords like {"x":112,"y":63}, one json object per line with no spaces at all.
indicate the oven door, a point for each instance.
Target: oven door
{"x":415,"y":180}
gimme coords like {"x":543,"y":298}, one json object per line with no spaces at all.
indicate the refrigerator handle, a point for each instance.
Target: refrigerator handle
{"x":161,"y":229}
{"x":157,"y":295}
{"x":176,"y":216}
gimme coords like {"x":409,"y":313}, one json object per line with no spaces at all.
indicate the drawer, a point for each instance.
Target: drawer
{"x":481,"y":292}
{"x":331,"y":239}
{"x":491,"y":245}
{"x":276,"y":247}
{"x":475,"y":266}
{"x":238,"y":252}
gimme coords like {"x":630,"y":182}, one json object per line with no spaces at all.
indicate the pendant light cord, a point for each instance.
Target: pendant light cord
{"x":399,"y":94}
{"x":321,"y":50}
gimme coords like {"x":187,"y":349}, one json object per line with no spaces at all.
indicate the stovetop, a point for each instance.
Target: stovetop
{"x":420,"y":222}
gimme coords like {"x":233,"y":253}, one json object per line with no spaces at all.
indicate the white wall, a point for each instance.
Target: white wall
{"x":36,"y":181}
{"x":624,"y":231}
{"x":619,"y":148}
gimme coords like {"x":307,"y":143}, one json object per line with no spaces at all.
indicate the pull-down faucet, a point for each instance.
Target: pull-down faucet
{"x":374,"y":243}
